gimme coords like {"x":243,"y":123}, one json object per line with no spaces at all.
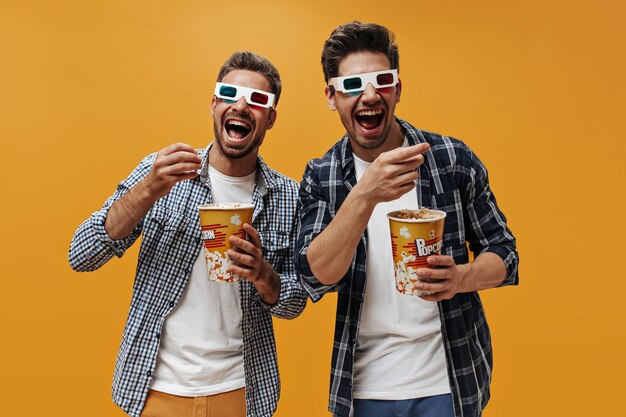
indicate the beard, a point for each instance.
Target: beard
{"x":236,"y":152}
{"x":370,"y":142}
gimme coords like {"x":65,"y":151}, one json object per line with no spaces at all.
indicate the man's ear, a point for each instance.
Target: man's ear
{"x":271,"y":119}
{"x":213,"y":103}
{"x":398,"y":90}
{"x":330,"y":98}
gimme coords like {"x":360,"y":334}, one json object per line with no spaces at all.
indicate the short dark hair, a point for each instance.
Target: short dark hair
{"x":357,"y":37}
{"x":246,"y":60}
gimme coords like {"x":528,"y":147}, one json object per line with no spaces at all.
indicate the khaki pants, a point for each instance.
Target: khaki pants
{"x":226,"y":404}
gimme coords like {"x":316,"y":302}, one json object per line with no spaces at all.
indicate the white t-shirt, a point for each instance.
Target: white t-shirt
{"x":399,"y":353}
{"x":201,"y":349}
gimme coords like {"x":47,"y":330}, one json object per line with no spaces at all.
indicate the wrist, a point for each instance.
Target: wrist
{"x":468,"y":272}
{"x":268,"y":285}
{"x":147,"y":192}
{"x":361,"y":201}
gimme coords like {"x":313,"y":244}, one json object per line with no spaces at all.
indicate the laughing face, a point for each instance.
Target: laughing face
{"x":369,"y":116}
{"x":240,"y":127}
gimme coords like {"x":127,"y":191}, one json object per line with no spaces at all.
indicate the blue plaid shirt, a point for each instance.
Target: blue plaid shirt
{"x":170,"y":245}
{"x":451,"y":179}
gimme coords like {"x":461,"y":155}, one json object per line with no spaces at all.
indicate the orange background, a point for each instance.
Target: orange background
{"x":536,"y":88}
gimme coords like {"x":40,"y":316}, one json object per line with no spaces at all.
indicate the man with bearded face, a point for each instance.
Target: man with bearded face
{"x":191,"y":346}
{"x":393,"y":354}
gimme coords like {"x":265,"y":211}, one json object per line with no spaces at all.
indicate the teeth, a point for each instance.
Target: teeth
{"x":369,"y":112}
{"x":239,"y":123}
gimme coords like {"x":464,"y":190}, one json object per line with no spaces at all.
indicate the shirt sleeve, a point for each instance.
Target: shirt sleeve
{"x":292,"y":298}
{"x":314,"y":218}
{"x":91,"y":246}
{"x":486,"y":225}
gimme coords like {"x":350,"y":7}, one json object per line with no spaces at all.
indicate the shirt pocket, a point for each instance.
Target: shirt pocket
{"x":169,"y":232}
{"x":275,"y":247}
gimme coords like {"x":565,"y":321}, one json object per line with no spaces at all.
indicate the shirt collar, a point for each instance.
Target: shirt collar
{"x":346,"y":157}
{"x":413,"y":135}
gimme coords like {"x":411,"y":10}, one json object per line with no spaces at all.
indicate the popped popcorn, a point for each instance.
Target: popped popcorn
{"x":422,"y":213}
{"x":221,"y":206}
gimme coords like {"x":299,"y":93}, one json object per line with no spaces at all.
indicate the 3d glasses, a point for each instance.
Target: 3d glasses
{"x":231,"y":93}
{"x":356,"y":83}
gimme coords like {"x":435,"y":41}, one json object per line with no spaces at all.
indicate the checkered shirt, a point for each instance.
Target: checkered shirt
{"x":170,"y":245}
{"x":451,"y":179}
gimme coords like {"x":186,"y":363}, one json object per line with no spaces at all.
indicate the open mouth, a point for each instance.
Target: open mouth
{"x":369,"y":119}
{"x":237,"y":129}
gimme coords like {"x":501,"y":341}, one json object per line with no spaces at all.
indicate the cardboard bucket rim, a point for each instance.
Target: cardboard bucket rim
{"x":442,"y":215}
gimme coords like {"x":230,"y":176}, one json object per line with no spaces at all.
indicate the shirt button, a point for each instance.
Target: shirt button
{"x":158,"y":335}
{"x":172,"y":304}
{"x":149,"y":373}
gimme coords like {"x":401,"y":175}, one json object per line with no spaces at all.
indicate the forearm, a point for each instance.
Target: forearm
{"x":290,"y":298}
{"x":330,"y":253}
{"x":128,"y":211}
{"x":268,"y":287}
{"x":486,"y":271}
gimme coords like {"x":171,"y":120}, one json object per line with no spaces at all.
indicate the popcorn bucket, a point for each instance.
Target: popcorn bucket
{"x":415,"y":235}
{"x":219,"y":222}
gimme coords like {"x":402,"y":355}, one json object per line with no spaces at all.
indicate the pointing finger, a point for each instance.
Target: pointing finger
{"x":404,"y":153}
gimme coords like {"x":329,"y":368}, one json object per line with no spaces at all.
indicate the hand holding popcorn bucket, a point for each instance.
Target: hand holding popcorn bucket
{"x":415,"y":235}
{"x":219,"y":222}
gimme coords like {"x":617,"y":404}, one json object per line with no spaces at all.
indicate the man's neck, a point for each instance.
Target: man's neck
{"x":233,"y":167}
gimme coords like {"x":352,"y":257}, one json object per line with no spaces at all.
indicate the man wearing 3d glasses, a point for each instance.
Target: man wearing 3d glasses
{"x":395,"y":354}
{"x":193,"y":347}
